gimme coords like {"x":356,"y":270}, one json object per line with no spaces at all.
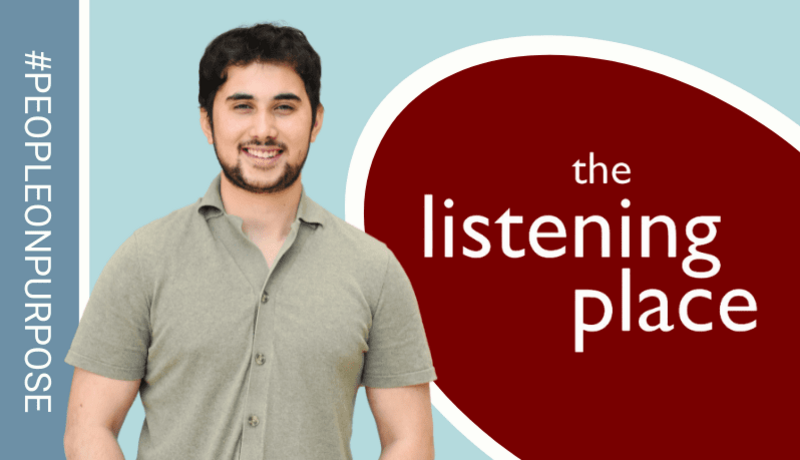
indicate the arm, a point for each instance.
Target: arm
{"x":404,"y":420}
{"x":95,"y":412}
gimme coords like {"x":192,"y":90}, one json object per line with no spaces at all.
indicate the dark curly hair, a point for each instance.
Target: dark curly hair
{"x":268,"y":43}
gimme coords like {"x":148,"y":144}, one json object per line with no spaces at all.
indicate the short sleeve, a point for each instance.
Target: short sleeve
{"x":114,"y":333}
{"x":398,"y":353}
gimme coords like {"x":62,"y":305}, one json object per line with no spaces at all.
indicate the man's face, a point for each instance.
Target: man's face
{"x":261,"y":126}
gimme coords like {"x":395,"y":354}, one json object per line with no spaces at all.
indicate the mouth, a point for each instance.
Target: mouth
{"x":261,"y":152}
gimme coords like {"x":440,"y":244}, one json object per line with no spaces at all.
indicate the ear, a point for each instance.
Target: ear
{"x":205,"y":125}
{"x":318,"y":122}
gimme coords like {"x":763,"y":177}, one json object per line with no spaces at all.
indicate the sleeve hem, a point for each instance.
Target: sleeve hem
{"x":402,"y":380}
{"x":106,"y":370}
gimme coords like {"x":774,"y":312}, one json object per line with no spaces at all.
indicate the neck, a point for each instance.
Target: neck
{"x":264,"y":215}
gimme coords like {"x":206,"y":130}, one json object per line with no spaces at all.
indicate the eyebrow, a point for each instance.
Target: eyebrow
{"x":286,"y":96}
{"x":278,"y":97}
{"x":239,"y":97}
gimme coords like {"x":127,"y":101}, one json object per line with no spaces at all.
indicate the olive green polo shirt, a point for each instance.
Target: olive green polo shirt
{"x":240,"y":361}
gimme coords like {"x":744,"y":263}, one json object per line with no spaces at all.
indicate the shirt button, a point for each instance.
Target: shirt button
{"x":253,"y":421}
{"x":264,"y":297}
{"x":260,"y":359}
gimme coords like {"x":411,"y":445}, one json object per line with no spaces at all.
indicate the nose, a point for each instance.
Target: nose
{"x":263,"y":125}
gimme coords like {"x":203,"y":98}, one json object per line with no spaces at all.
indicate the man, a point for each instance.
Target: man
{"x":249,"y":319}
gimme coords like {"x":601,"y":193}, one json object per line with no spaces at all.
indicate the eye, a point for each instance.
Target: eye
{"x":284,"y":108}
{"x":241,"y":106}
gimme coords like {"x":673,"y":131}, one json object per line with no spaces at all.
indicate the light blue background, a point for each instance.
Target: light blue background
{"x":149,"y":157}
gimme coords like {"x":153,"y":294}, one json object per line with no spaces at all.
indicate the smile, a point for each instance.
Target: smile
{"x":262,"y":153}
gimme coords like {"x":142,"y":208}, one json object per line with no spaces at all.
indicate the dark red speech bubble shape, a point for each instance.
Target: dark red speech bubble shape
{"x":502,"y":139}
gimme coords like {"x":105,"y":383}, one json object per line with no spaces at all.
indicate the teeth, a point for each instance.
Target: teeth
{"x":262,"y":153}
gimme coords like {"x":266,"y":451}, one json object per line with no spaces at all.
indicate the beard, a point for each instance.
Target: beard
{"x":290,"y":174}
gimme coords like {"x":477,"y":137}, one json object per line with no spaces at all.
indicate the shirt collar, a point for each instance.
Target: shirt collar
{"x":211,"y":205}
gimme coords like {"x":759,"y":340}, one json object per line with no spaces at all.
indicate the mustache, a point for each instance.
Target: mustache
{"x":267,"y":143}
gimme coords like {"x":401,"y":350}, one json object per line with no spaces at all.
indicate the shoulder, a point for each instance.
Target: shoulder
{"x":348,"y":255}
{"x":350,"y":243}
{"x":176,"y":229}
{"x":165,"y":239}
{"x":172,"y":225}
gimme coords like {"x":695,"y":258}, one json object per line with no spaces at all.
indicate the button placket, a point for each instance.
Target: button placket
{"x":263,"y":349}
